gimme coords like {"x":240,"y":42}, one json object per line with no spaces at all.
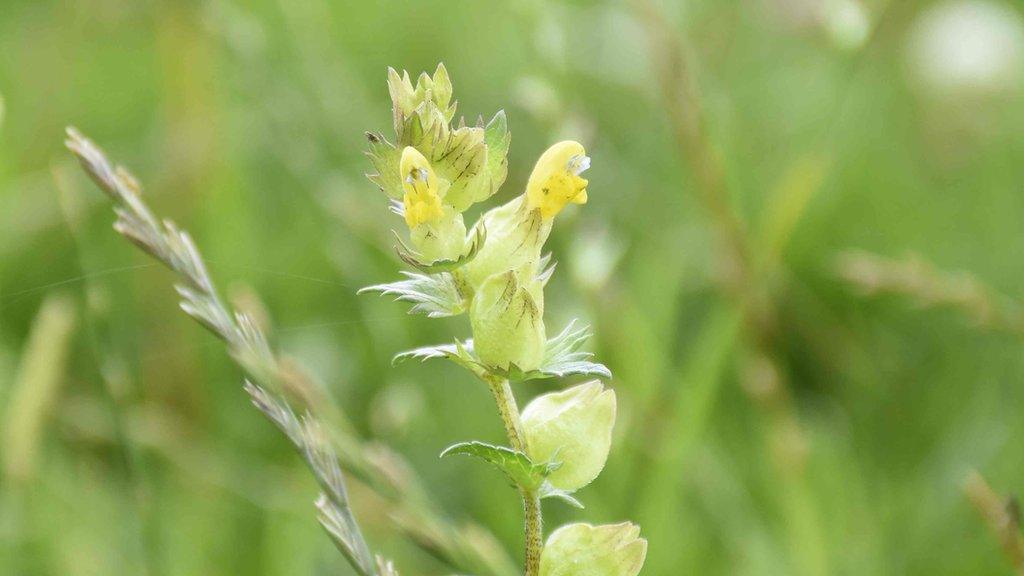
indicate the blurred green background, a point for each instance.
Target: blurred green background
{"x":779,"y":411}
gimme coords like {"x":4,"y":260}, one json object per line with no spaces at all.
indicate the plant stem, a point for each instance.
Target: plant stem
{"x":534,"y":531}
{"x":532,"y":516}
{"x":508,"y":410}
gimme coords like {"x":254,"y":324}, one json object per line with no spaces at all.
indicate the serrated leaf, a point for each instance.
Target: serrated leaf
{"x":436,"y":295}
{"x":460,"y":353}
{"x":517,"y":466}
{"x":562,"y":358}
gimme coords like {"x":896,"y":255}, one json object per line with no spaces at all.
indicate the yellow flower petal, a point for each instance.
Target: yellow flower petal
{"x":421,"y":200}
{"x":556,"y":180}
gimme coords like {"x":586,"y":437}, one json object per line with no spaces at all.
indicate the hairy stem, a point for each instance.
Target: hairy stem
{"x":534,"y":530}
{"x":508,"y":410}
{"x":532,"y":516}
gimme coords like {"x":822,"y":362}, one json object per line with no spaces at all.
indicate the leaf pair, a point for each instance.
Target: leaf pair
{"x":562,"y":357}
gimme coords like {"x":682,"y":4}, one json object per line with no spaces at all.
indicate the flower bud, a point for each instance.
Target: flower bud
{"x":507,"y":316}
{"x":573,"y":427}
{"x":587,"y":550}
{"x":555,"y":180}
{"x":406,"y":99}
{"x":435,"y":230}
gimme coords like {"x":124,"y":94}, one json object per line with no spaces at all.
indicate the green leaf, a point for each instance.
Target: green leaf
{"x":517,"y":466}
{"x":561,"y":358}
{"x":436,"y":295}
{"x":460,"y":353}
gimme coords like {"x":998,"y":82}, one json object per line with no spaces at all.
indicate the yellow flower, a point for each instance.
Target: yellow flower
{"x":422,"y":201}
{"x":555,"y":180}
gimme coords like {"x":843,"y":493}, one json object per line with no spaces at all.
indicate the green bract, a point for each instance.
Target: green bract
{"x":587,"y":550}
{"x":573,"y":427}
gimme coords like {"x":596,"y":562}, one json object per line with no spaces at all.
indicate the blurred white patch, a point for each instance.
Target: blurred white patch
{"x":847,"y":24}
{"x":972,"y":46}
{"x":604,"y":41}
{"x":243,"y":32}
{"x":395,"y":408}
{"x":794,"y":14}
{"x":549,"y":40}
{"x":595,"y":255}
{"x":538,"y":97}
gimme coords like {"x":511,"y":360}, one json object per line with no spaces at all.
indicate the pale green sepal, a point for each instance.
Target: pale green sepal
{"x":477,"y":237}
{"x":507,"y":317}
{"x":573,"y":426}
{"x":562,"y":358}
{"x":442,"y":240}
{"x":586,"y":550}
{"x":462,"y":160}
{"x":424,"y":129}
{"x":515,"y":238}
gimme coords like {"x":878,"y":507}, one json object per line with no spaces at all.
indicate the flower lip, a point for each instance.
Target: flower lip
{"x":555,"y":180}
